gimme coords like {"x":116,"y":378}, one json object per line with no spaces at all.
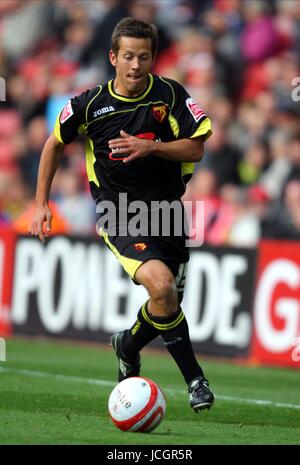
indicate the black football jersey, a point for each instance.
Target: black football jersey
{"x":164,"y":112}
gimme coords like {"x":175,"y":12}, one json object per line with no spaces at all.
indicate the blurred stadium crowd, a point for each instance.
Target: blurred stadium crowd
{"x":238,"y":58}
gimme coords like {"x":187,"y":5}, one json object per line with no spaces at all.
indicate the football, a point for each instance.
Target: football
{"x":137,"y":404}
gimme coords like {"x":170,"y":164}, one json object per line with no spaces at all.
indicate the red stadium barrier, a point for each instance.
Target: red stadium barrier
{"x":276,"y":317}
{"x":7,"y":249}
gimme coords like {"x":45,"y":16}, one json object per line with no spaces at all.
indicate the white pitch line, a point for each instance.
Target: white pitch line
{"x":103,"y":382}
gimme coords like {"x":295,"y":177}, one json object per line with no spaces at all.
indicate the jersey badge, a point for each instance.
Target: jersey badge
{"x":194,"y":109}
{"x":159,"y":112}
{"x":66,"y":113}
{"x":140,"y":246}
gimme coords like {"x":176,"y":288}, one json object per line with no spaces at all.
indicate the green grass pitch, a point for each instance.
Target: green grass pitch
{"x":56,"y":393}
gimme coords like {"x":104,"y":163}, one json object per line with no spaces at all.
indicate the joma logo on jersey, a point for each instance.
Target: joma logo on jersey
{"x":159,"y":112}
{"x":103,"y":110}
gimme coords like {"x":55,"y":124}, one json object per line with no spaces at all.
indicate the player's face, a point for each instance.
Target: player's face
{"x":133,"y":62}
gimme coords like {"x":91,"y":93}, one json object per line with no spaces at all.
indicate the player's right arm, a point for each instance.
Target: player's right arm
{"x":65,"y":131}
{"x":49,"y":162}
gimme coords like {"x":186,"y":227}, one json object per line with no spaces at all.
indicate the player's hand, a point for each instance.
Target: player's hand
{"x":130,"y":147}
{"x":41,"y":222}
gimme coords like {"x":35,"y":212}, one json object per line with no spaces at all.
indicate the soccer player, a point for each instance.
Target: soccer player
{"x":143,"y":134}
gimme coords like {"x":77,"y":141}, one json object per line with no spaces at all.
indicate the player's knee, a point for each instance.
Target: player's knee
{"x":163,"y":290}
{"x":161,"y":286}
{"x":164,"y":293}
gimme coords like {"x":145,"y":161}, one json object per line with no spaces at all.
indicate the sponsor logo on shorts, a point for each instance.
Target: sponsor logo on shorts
{"x":140,"y":246}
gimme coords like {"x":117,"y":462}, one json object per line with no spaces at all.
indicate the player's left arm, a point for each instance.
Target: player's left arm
{"x":190,"y":150}
{"x":185,"y":150}
{"x":191,"y":128}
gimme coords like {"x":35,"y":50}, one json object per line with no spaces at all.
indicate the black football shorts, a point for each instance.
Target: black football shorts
{"x":168,"y":244}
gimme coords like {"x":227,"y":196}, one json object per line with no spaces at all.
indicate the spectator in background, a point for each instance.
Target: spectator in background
{"x":250,"y":126}
{"x":260,"y":39}
{"x":293,"y":153}
{"x":60,"y":90}
{"x":273,"y":178}
{"x":221,"y":157}
{"x":244,"y":230}
{"x":253,"y":163}
{"x":36,"y":134}
{"x":285,"y":222}
{"x":14,"y":195}
{"x":74,"y":204}
{"x":259,"y":204}
{"x":235,"y":223}
{"x":204,"y":194}
{"x":23,"y":25}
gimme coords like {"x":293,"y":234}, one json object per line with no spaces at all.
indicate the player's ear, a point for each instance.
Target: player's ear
{"x":113,"y":58}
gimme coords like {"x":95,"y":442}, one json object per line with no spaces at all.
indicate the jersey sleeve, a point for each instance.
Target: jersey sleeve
{"x":191,"y":120}
{"x":70,"y":121}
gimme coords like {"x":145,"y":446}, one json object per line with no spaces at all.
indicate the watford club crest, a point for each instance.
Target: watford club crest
{"x":159,"y":112}
{"x":141,"y":246}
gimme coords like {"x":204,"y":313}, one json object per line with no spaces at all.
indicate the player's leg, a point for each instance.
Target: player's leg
{"x":164,"y":313}
{"x":128,"y":343}
{"x":131,"y":254}
{"x":162,"y":305}
{"x":160,"y":315}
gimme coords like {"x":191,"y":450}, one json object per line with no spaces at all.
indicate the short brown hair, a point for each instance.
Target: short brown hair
{"x":131,"y":27}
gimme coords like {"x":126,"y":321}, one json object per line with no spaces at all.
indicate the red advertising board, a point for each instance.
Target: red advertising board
{"x":276,"y":318}
{"x":7,"y":249}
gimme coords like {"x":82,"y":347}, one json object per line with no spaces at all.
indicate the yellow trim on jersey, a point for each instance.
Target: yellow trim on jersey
{"x":127,"y":99}
{"x":110,"y":115}
{"x":81,"y":130}
{"x":130,"y":265}
{"x":204,"y":130}
{"x":170,"y":85}
{"x":88,"y":105}
{"x":90,"y":160}
{"x":56,"y":130}
{"x":187,"y":168}
{"x":174,"y":125}
{"x":164,"y":326}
